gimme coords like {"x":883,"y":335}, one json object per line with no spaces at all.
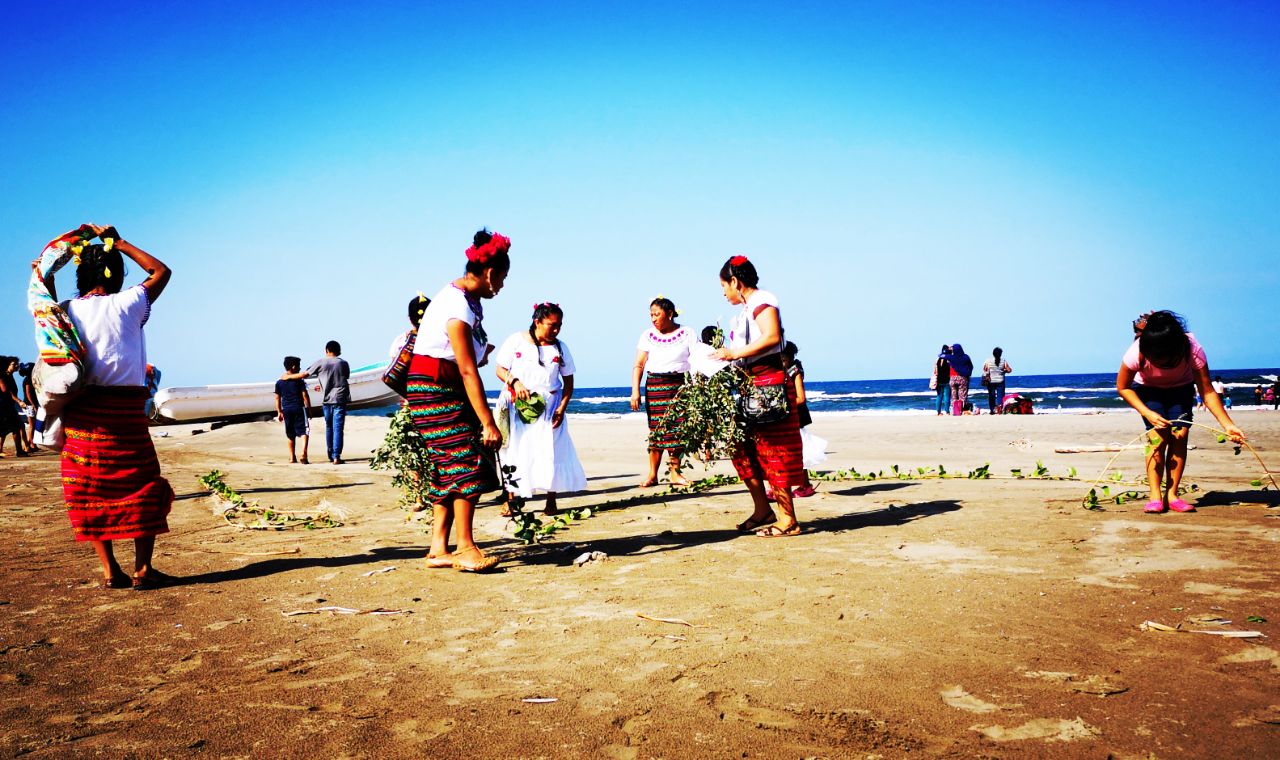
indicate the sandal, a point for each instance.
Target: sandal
{"x":804,"y":492}
{"x":1178,"y":505}
{"x":483,"y":565}
{"x":751,"y":525}
{"x":117,"y":581}
{"x":1155,"y":507}
{"x":773,"y":531}
{"x":152,"y":580}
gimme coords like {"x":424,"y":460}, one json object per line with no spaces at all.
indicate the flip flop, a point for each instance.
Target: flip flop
{"x":751,"y":526}
{"x":484,"y":565}
{"x":773,"y":531}
{"x":1178,"y":505}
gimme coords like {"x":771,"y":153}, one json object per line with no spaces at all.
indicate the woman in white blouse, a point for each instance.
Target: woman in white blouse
{"x":537,"y":361}
{"x":664,"y":351}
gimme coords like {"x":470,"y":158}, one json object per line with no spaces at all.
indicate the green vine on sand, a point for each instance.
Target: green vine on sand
{"x":529,"y":528}
{"x":236,"y":506}
{"x":1092,"y":499}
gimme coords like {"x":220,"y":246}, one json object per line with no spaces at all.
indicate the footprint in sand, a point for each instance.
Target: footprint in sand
{"x":957,"y":697}
{"x":424,"y":730}
{"x":1253,"y":654}
{"x":1048,"y":729}
{"x":732,"y":706}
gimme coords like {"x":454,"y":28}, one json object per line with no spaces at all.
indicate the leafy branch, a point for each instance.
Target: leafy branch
{"x":235,"y":506}
{"x":405,"y":453}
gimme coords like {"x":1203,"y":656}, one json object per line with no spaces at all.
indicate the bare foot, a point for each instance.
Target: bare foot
{"x":679,"y":480}
{"x":650,"y":483}
{"x":437,"y":561}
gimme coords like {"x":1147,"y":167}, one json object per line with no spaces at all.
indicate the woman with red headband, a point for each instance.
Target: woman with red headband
{"x":772,"y":451}
{"x":447,"y":401}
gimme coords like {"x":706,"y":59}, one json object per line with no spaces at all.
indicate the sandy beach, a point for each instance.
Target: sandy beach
{"x":937,"y":618}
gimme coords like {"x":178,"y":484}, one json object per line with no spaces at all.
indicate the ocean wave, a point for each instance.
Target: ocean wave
{"x":603,"y":400}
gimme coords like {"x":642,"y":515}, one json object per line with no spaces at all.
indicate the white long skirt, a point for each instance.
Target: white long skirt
{"x":544,"y":456}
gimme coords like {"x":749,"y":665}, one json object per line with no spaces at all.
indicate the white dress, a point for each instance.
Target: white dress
{"x":543,"y":455}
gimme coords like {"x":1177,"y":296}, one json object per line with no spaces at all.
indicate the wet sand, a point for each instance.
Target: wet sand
{"x":937,"y":618}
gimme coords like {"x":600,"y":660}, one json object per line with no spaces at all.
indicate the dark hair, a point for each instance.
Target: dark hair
{"x":417,"y":305}
{"x":292,"y":363}
{"x":790,"y":349}
{"x":666,"y":305}
{"x":500,"y":261}
{"x":997,"y":352}
{"x":333,"y":347}
{"x":95,"y":264}
{"x":26,"y":368}
{"x":541,"y":312}
{"x":1164,"y":339}
{"x":709,"y":334}
{"x":946,"y":349}
{"x":744,"y":270}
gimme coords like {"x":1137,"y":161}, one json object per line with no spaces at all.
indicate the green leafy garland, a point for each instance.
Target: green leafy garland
{"x":268,"y":519}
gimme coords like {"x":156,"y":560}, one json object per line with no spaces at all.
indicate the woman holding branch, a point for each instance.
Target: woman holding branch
{"x":1158,"y":378}
{"x":664,"y":351}
{"x":771,"y":451}
{"x":446,"y":399}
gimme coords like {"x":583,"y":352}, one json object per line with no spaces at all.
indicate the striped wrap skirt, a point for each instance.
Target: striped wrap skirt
{"x":111,"y":479}
{"x":460,"y":465}
{"x":659,"y":390}
{"x":774,"y":452}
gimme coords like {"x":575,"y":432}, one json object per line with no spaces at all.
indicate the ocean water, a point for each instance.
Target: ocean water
{"x":1052,"y":394}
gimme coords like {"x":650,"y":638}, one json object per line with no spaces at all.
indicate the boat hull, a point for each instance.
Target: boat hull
{"x":257,"y":400}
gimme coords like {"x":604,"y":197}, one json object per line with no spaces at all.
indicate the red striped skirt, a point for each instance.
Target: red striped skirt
{"x":110,"y":474}
{"x":443,"y":416}
{"x":774,"y":452}
{"x":659,"y":390}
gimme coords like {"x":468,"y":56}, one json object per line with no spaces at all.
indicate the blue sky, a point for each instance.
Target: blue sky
{"x":1027,"y":175}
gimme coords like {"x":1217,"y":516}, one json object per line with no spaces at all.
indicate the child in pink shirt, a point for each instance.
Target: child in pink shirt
{"x":1158,"y":377}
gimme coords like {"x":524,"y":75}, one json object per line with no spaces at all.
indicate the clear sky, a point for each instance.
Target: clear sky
{"x":903,"y":175}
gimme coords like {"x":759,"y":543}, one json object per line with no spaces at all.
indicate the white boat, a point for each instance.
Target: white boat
{"x":248,"y":400}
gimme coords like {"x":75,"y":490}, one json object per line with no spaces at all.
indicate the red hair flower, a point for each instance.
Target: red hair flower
{"x":738,"y":260}
{"x":557,"y":360}
{"x":497,"y":244}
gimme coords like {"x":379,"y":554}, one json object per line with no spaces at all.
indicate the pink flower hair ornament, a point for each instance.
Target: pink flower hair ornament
{"x":481,"y":254}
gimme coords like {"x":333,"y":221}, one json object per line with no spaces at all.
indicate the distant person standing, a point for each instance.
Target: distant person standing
{"x":941,"y":381}
{"x":993,"y":372}
{"x":1257,"y":395}
{"x":292,"y":403}
{"x":1221,"y":389}
{"x":1275,"y":394}
{"x":334,"y":374}
{"x":961,"y":372}
{"x":11,"y":419}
